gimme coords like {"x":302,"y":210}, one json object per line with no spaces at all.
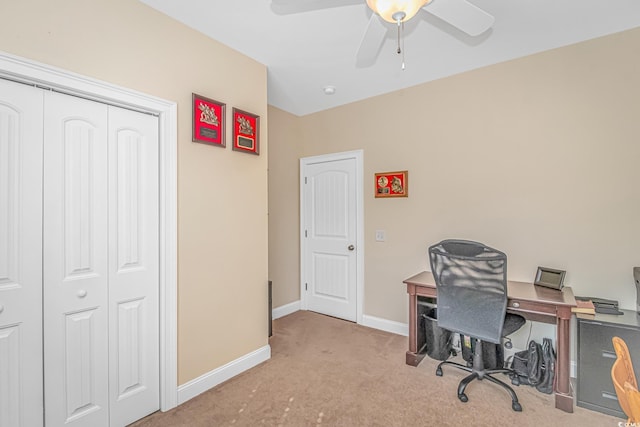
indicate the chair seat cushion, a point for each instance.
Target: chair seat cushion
{"x":512,"y":322}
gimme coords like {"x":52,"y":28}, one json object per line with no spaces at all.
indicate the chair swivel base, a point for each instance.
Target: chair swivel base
{"x":480,"y":375}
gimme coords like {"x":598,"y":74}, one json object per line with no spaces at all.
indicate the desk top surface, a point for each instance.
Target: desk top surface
{"x":515,"y":290}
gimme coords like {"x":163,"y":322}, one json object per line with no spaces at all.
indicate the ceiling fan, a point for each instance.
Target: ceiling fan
{"x":458,"y":13}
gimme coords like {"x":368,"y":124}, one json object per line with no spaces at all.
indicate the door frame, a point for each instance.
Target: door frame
{"x":357,"y":155}
{"x":30,"y":72}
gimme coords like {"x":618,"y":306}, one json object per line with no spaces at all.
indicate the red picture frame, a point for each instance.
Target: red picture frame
{"x":246,"y":130}
{"x":392,"y":184}
{"x":208,"y":121}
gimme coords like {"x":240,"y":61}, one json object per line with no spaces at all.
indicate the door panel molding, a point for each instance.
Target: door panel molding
{"x":21,"y":154}
{"x":305,"y":163}
{"x":34,"y":73}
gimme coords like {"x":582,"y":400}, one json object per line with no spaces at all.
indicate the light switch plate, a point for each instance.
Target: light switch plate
{"x":380,"y":236}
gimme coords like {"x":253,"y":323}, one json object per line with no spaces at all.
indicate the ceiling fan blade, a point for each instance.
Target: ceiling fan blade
{"x":371,"y":41}
{"x":462,"y":15}
{"x":288,"y":7}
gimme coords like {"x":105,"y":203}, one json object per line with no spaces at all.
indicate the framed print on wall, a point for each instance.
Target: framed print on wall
{"x":246,"y":127}
{"x":208,"y":121}
{"x":392,"y":184}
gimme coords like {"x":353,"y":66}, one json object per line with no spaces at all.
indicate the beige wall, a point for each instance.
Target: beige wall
{"x":222,"y":195}
{"x":284,"y":210}
{"x":537,"y":156}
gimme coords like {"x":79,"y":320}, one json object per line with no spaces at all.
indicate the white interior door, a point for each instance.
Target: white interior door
{"x":100,"y":255}
{"x":134,"y":357}
{"x":21,"y":402}
{"x":76,"y":369}
{"x":330,"y":241}
{"x":101,"y":266}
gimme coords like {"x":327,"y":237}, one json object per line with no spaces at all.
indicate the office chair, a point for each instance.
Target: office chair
{"x":471,"y":280}
{"x":625,"y":383}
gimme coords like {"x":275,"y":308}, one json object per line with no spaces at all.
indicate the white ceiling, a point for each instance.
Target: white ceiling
{"x":305,"y":52}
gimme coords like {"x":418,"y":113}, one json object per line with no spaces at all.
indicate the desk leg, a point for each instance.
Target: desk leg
{"x":564,"y":400}
{"x":412,"y":357}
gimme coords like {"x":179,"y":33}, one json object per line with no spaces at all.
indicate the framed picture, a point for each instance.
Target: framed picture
{"x":392,"y":184}
{"x":208,"y":121}
{"x":246,"y":128}
{"x":550,"y":278}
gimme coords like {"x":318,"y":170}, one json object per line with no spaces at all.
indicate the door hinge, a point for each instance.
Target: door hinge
{"x":305,"y":233}
{"x":305,"y":179}
{"x":306,"y":286}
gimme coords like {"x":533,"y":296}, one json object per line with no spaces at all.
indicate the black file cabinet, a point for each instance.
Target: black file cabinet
{"x":596,"y":357}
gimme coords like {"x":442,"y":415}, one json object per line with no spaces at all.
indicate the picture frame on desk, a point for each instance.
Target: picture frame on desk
{"x":550,"y":278}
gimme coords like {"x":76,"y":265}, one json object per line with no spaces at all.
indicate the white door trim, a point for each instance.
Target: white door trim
{"x":35,"y":73}
{"x":357,"y":155}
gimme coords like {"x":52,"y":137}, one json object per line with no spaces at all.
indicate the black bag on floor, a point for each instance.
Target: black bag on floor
{"x":548,"y":367}
{"x":535,"y":366}
{"x":527,"y":365}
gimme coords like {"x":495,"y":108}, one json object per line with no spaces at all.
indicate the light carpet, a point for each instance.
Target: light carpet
{"x":330,"y":372}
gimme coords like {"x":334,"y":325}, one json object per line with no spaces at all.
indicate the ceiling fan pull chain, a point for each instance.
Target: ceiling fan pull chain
{"x":399,"y":17}
{"x":399,"y":50}
{"x":403,"y":45}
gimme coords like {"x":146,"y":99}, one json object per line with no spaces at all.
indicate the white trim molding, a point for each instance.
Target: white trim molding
{"x":391,"y":326}
{"x":286,"y":309}
{"x":219,"y":375}
{"x":386,"y":325}
{"x":33,"y":73}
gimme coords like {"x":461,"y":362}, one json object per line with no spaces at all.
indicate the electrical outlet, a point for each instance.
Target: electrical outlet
{"x":380,"y":236}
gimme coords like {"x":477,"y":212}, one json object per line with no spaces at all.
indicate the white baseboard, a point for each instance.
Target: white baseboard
{"x":283,"y":310}
{"x":385,"y":325}
{"x":211,"y":379}
{"x":369,"y":321}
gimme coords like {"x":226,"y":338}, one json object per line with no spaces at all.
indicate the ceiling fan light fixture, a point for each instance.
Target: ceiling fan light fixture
{"x":388,"y":8}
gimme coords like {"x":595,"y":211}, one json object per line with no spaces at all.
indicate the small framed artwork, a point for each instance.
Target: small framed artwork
{"x":392,"y":184}
{"x":246,"y":127}
{"x":208,"y":121}
{"x":550,"y":278}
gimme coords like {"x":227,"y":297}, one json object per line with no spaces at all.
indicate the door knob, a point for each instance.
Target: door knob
{"x":351,"y":247}
{"x":81,"y":293}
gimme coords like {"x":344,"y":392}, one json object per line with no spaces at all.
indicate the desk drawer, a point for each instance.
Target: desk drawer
{"x":533,"y":310}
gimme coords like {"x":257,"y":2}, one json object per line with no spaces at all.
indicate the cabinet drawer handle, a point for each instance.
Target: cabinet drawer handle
{"x":608,"y":354}
{"x":607,"y":395}
{"x":1,"y":308}
{"x":515,"y":304}
{"x":81,"y":293}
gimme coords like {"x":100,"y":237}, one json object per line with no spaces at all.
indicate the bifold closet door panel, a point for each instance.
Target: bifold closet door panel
{"x":134,"y":283}
{"x":21,"y":402}
{"x":75,"y":240}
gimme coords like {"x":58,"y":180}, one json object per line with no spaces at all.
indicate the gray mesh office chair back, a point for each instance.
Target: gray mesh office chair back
{"x":471,"y":280}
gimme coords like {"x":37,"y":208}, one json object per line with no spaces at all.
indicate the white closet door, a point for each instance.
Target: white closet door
{"x":75,"y":262}
{"x":20,"y":255}
{"x":134,"y":356}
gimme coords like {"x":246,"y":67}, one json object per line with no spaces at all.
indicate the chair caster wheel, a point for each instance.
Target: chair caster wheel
{"x":439,"y":371}
{"x":516,"y":406}
{"x":463,"y":397}
{"x":515,"y":381}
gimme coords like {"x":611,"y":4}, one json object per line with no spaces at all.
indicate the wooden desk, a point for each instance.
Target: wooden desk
{"x":532,"y":302}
